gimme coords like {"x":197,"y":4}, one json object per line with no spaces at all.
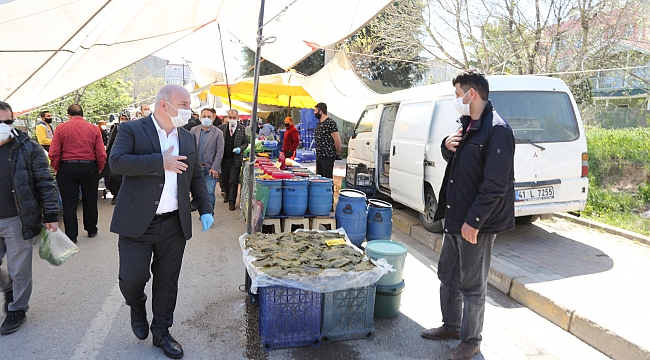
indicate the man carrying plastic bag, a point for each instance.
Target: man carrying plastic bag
{"x":27,"y":199}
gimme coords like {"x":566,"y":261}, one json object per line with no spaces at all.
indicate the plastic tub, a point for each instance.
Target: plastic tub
{"x":388,"y":300}
{"x":395,"y":254}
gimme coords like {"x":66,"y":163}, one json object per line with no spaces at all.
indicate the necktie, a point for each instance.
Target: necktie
{"x":232,"y":130}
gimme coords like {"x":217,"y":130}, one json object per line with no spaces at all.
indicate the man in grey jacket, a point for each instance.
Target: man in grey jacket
{"x":209,"y":141}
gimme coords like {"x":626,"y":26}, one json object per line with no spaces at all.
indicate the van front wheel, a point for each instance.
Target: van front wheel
{"x":430,"y":206}
{"x":528,"y":219}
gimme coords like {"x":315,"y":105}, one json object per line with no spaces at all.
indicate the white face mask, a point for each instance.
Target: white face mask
{"x":207,"y":122}
{"x":463,"y":109}
{"x":5,"y":132}
{"x":232,"y":123}
{"x":182,"y":118}
{"x":146,"y":113}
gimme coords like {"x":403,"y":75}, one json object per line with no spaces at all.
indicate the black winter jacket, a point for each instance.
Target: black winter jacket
{"x":34,"y":191}
{"x":478,"y":188}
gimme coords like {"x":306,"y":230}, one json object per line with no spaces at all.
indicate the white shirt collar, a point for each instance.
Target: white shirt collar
{"x":158,"y":128}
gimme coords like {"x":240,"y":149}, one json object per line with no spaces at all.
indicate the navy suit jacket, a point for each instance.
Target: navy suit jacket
{"x":136,"y":155}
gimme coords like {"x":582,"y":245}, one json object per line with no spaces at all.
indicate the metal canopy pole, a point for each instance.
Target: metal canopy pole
{"x":253,"y":122}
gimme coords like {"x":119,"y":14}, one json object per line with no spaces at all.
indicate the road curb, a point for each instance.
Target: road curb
{"x":517,"y":288}
{"x":604,"y":227}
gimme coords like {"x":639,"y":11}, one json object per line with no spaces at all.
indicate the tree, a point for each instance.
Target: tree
{"x":309,"y":66}
{"x":145,"y":86}
{"x":378,"y":53}
{"x":108,"y":95}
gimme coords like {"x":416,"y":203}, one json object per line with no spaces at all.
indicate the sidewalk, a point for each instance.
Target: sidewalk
{"x":593,"y":284}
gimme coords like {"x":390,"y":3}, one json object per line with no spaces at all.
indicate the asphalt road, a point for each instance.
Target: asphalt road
{"x":77,"y":310}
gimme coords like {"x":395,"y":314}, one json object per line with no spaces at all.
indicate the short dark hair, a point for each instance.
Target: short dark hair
{"x":473,"y":79}
{"x":75,"y":110}
{"x":207,"y":109}
{"x":7,"y":107}
{"x":42,"y":113}
{"x":322,"y":107}
{"x":214,"y":112}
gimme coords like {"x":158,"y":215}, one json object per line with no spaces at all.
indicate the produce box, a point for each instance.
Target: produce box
{"x":348,"y":314}
{"x":289,"y":317}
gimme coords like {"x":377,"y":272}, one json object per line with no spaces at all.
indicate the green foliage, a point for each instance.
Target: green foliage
{"x":309,"y":66}
{"x":643,"y":192}
{"x":108,"y":95}
{"x":610,"y":150}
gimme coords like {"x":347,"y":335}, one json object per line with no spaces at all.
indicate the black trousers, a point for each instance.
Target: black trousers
{"x":69,"y":178}
{"x":325,"y":167}
{"x":165,"y":241}
{"x":230,"y":170}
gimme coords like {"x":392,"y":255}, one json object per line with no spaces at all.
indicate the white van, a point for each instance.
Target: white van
{"x":400,"y":137}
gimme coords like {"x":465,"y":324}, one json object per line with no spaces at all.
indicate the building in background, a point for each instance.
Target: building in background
{"x":177,"y":74}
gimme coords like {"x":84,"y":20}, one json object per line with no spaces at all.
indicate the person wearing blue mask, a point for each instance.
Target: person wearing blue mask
{"x":209,"y":142}
{"x":236,"y":142}
{"x":152,"y":216}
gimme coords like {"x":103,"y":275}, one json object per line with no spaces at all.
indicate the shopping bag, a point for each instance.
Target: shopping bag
{"x":56,"y":247}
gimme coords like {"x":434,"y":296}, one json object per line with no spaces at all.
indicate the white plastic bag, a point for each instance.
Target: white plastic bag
{"x":56,"y":247}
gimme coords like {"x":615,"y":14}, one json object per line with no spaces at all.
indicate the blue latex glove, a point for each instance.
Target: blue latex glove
{"x":236,"y":150}
{"x":207,"y":220}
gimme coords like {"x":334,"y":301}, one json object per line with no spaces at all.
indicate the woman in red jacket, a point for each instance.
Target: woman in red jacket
{"x":291,"y":138}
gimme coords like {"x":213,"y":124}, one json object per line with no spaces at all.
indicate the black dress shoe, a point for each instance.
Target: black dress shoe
{"x":92,"y":235}
{"x":171,"y":347}
{"x":231,"y":206}
{"x":139,"y":323}
{"x":225,"y":199}
{"x":13,"y":322}
{"x":113,"y":200}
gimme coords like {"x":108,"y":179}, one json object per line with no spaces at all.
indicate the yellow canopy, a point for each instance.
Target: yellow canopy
{"x":276,"y":89}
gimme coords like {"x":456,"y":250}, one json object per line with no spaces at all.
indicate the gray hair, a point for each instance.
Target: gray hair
{"x":164,"y":94}
{"x":236,"y":112}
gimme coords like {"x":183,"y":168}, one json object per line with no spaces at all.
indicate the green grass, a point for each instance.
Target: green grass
{"x":610,"y":152}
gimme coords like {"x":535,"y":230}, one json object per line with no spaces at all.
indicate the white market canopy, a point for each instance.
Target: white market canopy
{"x":50,"y":48}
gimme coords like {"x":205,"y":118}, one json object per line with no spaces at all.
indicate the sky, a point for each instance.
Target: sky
{"x":203,"y":47}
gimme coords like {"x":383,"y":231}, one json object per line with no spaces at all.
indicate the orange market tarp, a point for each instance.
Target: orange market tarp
{"x":50,"y":48}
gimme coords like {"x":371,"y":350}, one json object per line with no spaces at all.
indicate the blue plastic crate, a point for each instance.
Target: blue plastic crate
{"x":289,"y":317}
{"x":348,"y":314}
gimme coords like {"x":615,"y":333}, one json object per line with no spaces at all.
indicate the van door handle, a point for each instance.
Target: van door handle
{"x":393,"y":150}
{"x":367,"y":142}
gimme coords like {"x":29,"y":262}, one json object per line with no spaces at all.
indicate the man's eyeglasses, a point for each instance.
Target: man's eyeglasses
{"x":8,"y":122}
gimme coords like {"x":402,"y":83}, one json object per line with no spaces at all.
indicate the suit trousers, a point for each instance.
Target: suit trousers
{"x":230,"y":170}
{"x":165,"y":241}
{"x":69,"y":178}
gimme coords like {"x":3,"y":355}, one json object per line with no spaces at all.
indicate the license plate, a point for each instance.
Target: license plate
{"x":534,"y":194}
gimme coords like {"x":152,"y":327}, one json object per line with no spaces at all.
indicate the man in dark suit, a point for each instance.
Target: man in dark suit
{"x":236,"y":142}
{"x":160,"y":166}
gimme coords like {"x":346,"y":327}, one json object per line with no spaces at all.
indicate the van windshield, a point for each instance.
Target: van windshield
{"x":365,"y":122}
{"x":537,"y":116}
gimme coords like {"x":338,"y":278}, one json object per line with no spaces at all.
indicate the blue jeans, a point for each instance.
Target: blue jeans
{"x":211,"y":184}
{"x":463,"y":271}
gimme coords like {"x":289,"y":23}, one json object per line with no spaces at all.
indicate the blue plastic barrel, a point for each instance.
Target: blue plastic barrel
{"x":320,"y":196}
{"x":295,"y":195}
{"x":352,"y":214}
{"x":274,"y":205}
{"x":380,"y":220}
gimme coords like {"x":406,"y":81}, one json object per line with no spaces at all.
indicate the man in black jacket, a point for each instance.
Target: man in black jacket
{"x":235,"y":142}
{"x":477,"y":202}
{"x":27,"y":199}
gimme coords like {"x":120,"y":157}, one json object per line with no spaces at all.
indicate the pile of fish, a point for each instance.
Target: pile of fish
{"x":304,"y":253}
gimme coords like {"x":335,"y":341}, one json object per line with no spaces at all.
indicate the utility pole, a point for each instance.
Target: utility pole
{"x":183,"y":64}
